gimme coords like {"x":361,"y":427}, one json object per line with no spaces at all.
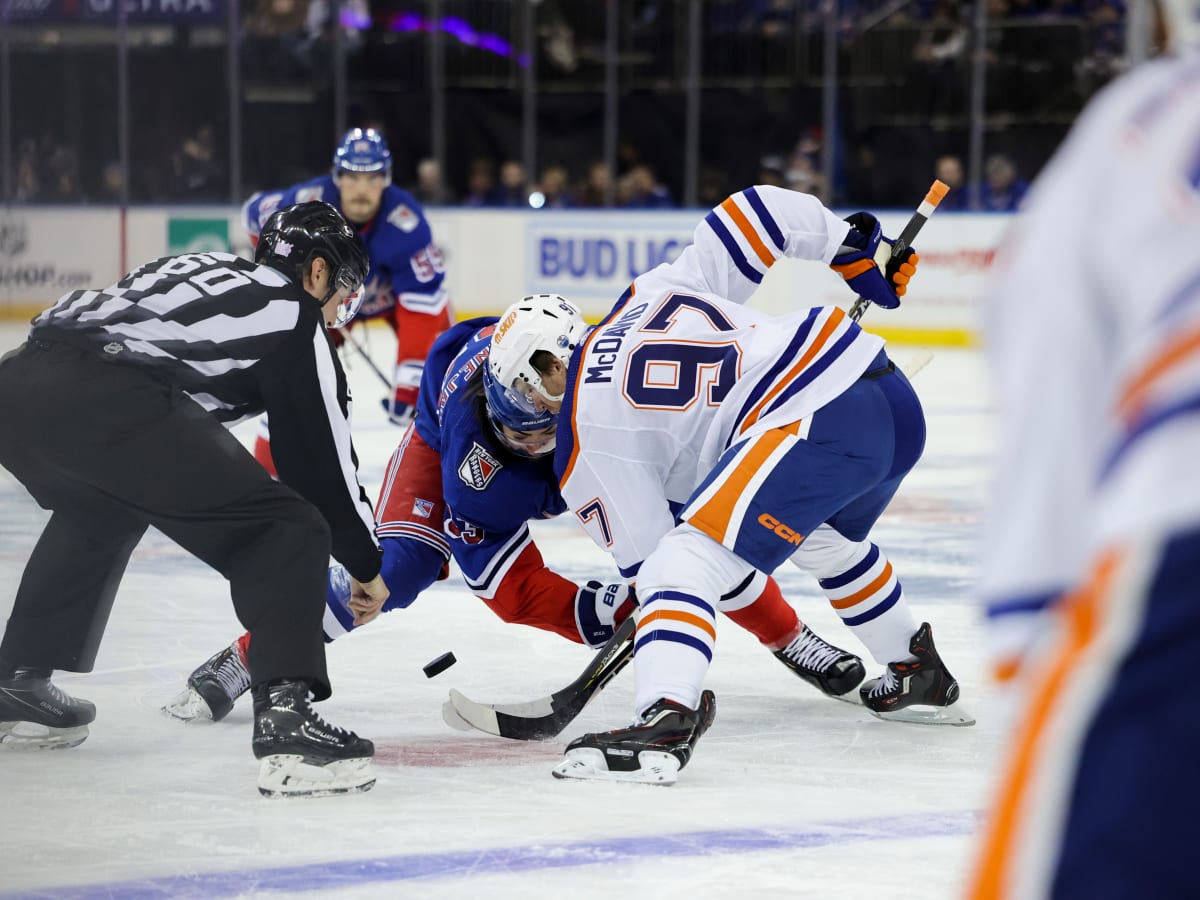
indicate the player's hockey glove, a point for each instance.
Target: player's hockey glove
{"x":401,"y":407}
{"x":855,"y":262}
{"x":600,"y":607}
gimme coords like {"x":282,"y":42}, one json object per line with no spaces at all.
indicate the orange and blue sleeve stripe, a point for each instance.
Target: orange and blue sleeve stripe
{"x":750,"y":232}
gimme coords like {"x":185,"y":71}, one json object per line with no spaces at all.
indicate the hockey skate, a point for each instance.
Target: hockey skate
{"x":301,"y":754}
{"x":921,"y":691}
{"x":832,"y":671}
{"x":214,"y":686}
{"x":37,"y":715}
{"x":649,"y":752}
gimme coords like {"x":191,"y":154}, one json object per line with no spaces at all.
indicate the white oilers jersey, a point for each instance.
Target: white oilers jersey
{"x":678,"y":373}
{"x":1094,"y":326}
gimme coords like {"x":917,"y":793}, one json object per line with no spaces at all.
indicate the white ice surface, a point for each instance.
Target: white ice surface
{"x":789,"y":794}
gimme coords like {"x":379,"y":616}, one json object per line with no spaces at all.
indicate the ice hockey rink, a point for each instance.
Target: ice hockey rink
{"x":790,"y":794}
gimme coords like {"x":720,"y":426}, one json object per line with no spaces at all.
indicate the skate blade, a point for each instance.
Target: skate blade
{"x":927,"y":715}
{"x":287,"y":775}
{"x":31,"y":736}
{"x":189,"y":706}
{"x":451,"y":717}
{"x":588,"y":764}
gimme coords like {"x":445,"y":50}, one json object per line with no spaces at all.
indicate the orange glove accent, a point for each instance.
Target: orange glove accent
{"x":904,"y":273}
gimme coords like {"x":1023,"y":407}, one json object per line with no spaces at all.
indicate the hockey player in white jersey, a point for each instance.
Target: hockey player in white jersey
{"x":708,"y":440}
{"x":1092,"y":555}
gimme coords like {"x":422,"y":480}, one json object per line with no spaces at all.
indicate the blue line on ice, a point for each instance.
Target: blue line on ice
{"x":509,"y":860}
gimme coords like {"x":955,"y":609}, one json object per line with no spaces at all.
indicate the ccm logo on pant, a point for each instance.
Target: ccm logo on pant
{"x":773,"y":524}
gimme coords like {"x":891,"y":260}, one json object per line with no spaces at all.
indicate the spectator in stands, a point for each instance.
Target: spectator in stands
{"x":804,"y":166}
{"x":552,"y":190}
{"x":196,"y":173}
{"x":513,"y":189}
{"x":1002,"y":190}
{"x":939,"y":56}
{"x":430,"y":188}
{"x":948,"y":169}
{"x":111,"y":183}
{"x":771,"y":170}
{"x":481,"y":181}
{"x":276,"y":41}
{"x":640,"y":189}
{"x":594,"y":191}
{"x":61,"y":182}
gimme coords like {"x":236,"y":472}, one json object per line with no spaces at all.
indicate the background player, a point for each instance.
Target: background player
{"x":114,"y":410}
{"x":404,"y":285}
{"x":1092,"y":553}
{"x":468,"y":476}
{"x":757,"y":430}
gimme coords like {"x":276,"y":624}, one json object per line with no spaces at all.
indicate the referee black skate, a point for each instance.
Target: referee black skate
{"x":115,"y":410}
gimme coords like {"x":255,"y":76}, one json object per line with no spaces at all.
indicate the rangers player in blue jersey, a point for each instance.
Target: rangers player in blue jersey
{"x":404,"y":285}
{"x":469,"y":474}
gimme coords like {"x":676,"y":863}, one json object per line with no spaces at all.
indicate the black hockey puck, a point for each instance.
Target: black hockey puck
{"x":439,"y":665}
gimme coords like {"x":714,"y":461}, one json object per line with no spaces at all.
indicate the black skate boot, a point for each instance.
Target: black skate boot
{"x":37,"y":715}
{"x":302,"y":754}
{"x":832,"y":671}
{"x":650,"y":752}
{"x":921,"y":682}
{"x":214,"y":686}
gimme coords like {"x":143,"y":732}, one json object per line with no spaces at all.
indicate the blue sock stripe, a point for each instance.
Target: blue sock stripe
{"x":662,"y":634}
{"x":878,"y":610}
{"x":856,"y":571}
{"x":680,"y":597}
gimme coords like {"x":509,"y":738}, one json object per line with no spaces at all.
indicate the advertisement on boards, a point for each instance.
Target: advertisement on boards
{"x":44,"y":255}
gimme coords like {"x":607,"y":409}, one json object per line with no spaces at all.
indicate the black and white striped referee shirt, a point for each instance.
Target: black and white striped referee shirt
{"x":240,"y":339}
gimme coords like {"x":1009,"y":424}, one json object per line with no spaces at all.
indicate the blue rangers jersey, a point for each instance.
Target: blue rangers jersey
{"x":406,"y":265}
{"x":490,"y":493}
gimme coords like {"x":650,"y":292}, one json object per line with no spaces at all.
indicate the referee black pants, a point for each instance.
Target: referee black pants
{"x":110,"y":451}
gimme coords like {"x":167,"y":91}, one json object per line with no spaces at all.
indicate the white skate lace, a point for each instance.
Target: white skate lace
{"x":887,"y":683}
{"x":343,"y":735}
{"x":810,"y":652}
{"x":232,"y":675}
{"x":58,"y":695}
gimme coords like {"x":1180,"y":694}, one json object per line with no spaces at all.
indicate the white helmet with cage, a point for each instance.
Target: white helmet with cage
{"x":538,"y":322}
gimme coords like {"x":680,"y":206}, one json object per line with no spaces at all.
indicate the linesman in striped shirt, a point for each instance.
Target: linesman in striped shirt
{"x":116,"y":410}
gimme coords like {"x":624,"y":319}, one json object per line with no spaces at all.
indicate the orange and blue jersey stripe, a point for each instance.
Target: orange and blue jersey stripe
{"x":778,"y":386}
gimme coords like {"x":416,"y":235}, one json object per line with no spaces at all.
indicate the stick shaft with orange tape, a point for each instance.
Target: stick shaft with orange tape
{"x":886,"y":252}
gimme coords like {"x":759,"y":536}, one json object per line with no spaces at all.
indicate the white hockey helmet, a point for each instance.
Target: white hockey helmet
{"x":1182,"y":18}
{"x":538,"y":322}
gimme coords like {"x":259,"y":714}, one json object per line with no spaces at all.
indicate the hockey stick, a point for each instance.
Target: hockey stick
{"x":545,"y":718}
{"x":350,"y":339}
{"x":886,"y":253}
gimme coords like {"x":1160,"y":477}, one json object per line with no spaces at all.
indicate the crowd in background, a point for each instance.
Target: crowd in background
{"x":1044,"y":57}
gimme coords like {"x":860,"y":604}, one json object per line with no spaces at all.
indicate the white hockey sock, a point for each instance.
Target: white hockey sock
{"x":865,"y":592}
{"x":674,"y":644}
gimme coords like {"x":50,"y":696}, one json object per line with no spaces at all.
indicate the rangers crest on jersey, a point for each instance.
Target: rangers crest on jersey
{"x":478,"y":468}
{"x":404,"y":218}
{"x":422,"y":508}
{"x":309,"y":193}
